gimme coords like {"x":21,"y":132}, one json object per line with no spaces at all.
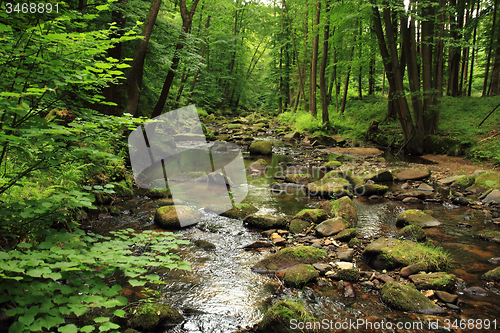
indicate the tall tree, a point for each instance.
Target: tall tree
{"x":324,"y":60}
{"x":314,"y":61}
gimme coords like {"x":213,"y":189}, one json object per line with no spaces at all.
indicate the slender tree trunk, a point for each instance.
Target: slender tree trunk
{"x":305,"y":55}
{"x":280,"y":103}
{"x":490,"y":48}
{"x":187,"y":18}
{"x":324,"y":61}
{"x":371,"y":79}
{"x":346,"y":82}
{"x":495,"y":74}
{"x":474,"y":48}
{"x":135,"y":74}
{"x":314,"y":61}
{"x":454,"y":58}
{"x":203,"y":47}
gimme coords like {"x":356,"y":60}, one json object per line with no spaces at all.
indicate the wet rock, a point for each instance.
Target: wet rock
{"x":412,"y":232}
{"x":261,"y":147}
{"x":331,"y":227}
{"x":434,"y":281}
{"x":465,"y":181}
{"x":148,"y":316}
{"x":412,"y":201}
{"x":300,"y":275}
{"x":488,"y":235}
{"x":164,"y":202}
{"x":461,"y":201}
{"x":355,"y":243}
{"x":445,"y":297}
{"x":448,"y":180}
{"x":494,"y":261}
{"x":493,"y":196}
{"x":291,"y":136}
{"x":476,"y":291}
{"x":203,"y":244}
{"x":370,"y":189}
{"x":411,"y":174}
{"x":492,"y":276}
{"x":412,"y":269}
{"x":240,"y":211}
{"x":322,"y":268}
{"x":348,"y":175}
{"x":349,"y":290}
{"x":279,"y":241}
{"x":312,"y":215}
{"x":378,"y":176}
{"x":411,"y":194}
{"x":375,"y":197}
{"x":298,"y":226}
{"x":405,"y":186}
{"x":417,"y":217}
{"x":344,"y":208}
{"x":464,"y":225}
{"x":425,"y":187}
{"x":258,"y":166}
{"x":288,"y":188}
{"x":345,"y":254}
{"x":257,"y":245}
{"x":343,"y":265}
{"x":159,"y":193}
{"x":324,"y":140}
{"x":277,"y":318}
{"x":486,"y":181}
{"x":298,"y":178}
{"x":405,"y":297}
{"x":330,"y":187}
{"x":332,"y":164}
{"x":167,"y":217}
{"x":346,"y":234}
{"x":452,"y":307}
{"x":265,"y":221}
{"x":289,"y":257}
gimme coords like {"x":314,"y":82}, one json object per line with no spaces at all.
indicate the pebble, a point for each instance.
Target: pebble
{"x":344,"y":265}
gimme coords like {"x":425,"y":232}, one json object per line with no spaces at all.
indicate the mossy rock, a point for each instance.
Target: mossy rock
{"x":370,"y":189}
{"x":346,"y":234}
{"x":233,"y":126}
{"x":114,"y":211}
{"x":148,"y":316}
{"x":261,"y":147}
{"x":102,"y":198}
{"x":405,"y":297}
{"x":203,"y":244}
{"x":417,"y":217}
{"x":344,"y":208}
{"x":390,"y":253}
{"x":351,"y":275}
{"x":265,"y":221}
{"x":258,"y":166}
{"x":312,"y":215}
{"x":298,"y":178}
{"x":290,"y":257}
{"x":355,"y":242}
{"x":164,"y":202}
{"x":297,"y":226}
{"x":277,"y":318}
{"x":332,"y":164}
{"x":413,"y":232}
{"x":486,"y":181}
{"x":240,"y":211}
{"x":170,"y":217}
{"x":488,"y":235}
{"x":159,"y":193}
{"x":353,"y":179}
{"x":465,"y":181}
{"x":122,"y":189}
{"x":331,"y":187}
{"x":378,"y":176}
{"x":300,"y":275}
{"x":434,"y":281}
{"x":492,"y":276}
{"x":331,"y":227}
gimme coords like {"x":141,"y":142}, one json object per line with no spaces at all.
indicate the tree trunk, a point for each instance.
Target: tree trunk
{"x":134,"y":79}
{"x":314,"y":62}
{"x":371,"y":79}
{"x":322,"y":70}
{"x":203,"y":47}
{"x":471,"y":74}
{"x":187,"y":18}
{"x":346,"y":82}
{"x":490,"y":47}
{"x":495,"y":89}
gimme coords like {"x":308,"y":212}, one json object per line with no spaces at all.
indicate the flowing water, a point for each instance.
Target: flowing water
{"x":222,"y":294}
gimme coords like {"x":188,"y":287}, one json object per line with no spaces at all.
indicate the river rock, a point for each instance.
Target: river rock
{"x":332,"y":164}
{"x":405,"y":297}
{"x":265,"y":221}
{"x":445,"y":297}
{"x":258,"y":166}
{"x":493,"y":196}
{"x":240,"y":211}
{"x":312,"y":215}
{"x":297,"y":226}
{"x":434,"y":281}
{"x":465,"y":181}
{"x":331,"y":187}
{"x":412,"y":201}
{"x":378,"y":176}
{"x":345,"y":254}
{"x":167,"y":217}
{"x":413,"y":269}
{"x":321,"y":139}
{"x":488,"y":235}
{"x":203,"y":244}
{"x":159,"y":193}
{"x":411,"y":174}
{"x":322,"y":268}
{"x":370,"y":189}
{"x":148,"y":316}
{"x":298,"y":178}
{"x":346,"y":234}
{"x":494,"y":261}
{"x":425,"y":187}
{"x":261,"y":147}
{"x":344,"y":208}
{"x":346,"y":274}
{"x":418,"y":217}
{"x":448,"y":180}
{"x":412,"y":232}
{"x":289,"y":257}
{"x":291,"y":136}
{"x":300,"y":275}
{"x":257,"y":245}
{"x":353,"y":179}
{"x":288,"y":188}
{"x":411,"y":194}
{"x":492,"y":276}
{"x":331,"y":227}
{"x":486,"y":181}
{"x":277,"y":318}
{"x":476,"y":291}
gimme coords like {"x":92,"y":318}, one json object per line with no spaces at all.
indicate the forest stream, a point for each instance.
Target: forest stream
{"x":223,"y":294}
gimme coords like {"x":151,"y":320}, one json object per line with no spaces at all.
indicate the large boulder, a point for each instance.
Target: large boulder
{"x":240,"y":211}
{"x":278,"y":319}
{"x":486,"y":181}
{"x":289,"y":257}
{"x":493,"y":196}
{"x":148,"y":316}
{"x":411,"y":174}
{"x":378,"y":176}
{"x":417,"y":217}
{"x":488,"y":235}
{"x":344,"y":208}
{"x":353,"y":179}
{"x":370,"y":189}
{"x":331,"y":187}
{"x":405,"y":297}
{"x":167,"y":217}
{"x":492,"y":276}
{"x":434,"y":281}
{"x":297,"y":225}
{"x":300,"y":275}
{"x":331,"y":227}
{"x":261,"y":147}
{"x":265,"y":221}
{"x":312,"y":215}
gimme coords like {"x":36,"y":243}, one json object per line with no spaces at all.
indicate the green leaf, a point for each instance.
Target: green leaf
{"x":37,"y":272}
{"x":119,"y":313}
{"x":135,"y":283}
{"x":108,"y":326}
{"x":87,"y":329}
{"x":102,"y":7}
{"x":17,"y":327}
{"x":53,"y":276}
{"x":101,"y":319}
{"x":71,"y":328}
{"x":24,"y":245}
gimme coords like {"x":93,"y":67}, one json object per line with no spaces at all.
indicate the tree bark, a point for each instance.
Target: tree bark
{"x":490,"y":48}
{"x":471,"y":74}
{"x":322,"y":70}
{"x":314,"y":62}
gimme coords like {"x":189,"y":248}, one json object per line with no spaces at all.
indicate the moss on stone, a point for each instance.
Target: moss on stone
{"x":489,"y":235}
{"x":147,"y":316}
{"x":412,"y":232}
{"x":434,"y":281}
{"x":159,"y":193}
{"x":299,"y":178}
{"x":265,"y":221}
{"x":277,"y":318}
{"x":405,"y":297}
{"x":297,"y":226}
{"x":344,"y":208}
{"x":122,"y":189}
{"x":290,"y":257}
{"x":337,"y":187}
{"x":351,"y":275}
{"x":300,"y":275}
{"x":345,"y":174}
{"x":167,"y":217}
{"x":493,"y":275}
{"x":465,"y":181}
{"x":261,"y":147}
{"x":332,"y":164}
{"x":312,"y":215}
{"x":346,"y":234}
{"x":355,"y":242}
{"x":240,"y":211}
{"x":486,"y":181}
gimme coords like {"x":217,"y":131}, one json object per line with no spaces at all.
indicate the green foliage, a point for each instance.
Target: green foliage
{"x":65,"y":275}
